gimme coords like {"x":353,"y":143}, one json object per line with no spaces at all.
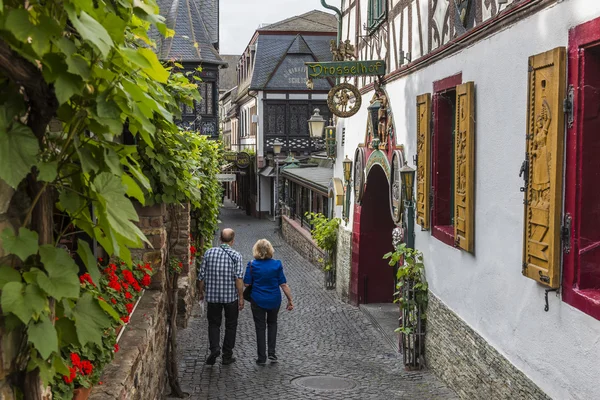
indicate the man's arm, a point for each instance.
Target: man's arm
{"x":200,"y":286}
{"x":239,"y":285}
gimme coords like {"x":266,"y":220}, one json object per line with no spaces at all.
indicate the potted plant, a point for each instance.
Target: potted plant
{"x":412,"y":297}
{"x":325,"y":232}
{"x":113,"y":295}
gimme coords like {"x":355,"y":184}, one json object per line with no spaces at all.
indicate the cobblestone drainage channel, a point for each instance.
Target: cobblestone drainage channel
{"x":324,"y":382}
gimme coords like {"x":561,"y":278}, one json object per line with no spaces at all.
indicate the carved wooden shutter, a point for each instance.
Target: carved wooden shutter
{"x":464,"y":166}
{"x":545,"y":135}
{"x":423,"y":158}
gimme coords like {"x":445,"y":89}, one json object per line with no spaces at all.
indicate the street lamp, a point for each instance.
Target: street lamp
{"x":407,"y":175}
{"x":347,"y":166}
{"x":316,"y":123}
{"x":277,"y":149}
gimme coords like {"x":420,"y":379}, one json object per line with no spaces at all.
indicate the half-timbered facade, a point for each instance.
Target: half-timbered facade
{"x":273,"y":102}
{"x":495,"y":104}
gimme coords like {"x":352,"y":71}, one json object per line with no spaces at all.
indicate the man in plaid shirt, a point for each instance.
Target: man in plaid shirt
{"x":220,"y":280}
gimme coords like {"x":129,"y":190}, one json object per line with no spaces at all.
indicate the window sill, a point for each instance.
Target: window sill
{"x":444,"y":233}
{"x":586,"y":300}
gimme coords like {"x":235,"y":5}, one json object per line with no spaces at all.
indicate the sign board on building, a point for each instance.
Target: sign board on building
{"x":241,"y":160}
{"x":337,"y":69}
{"x":226,"y":177}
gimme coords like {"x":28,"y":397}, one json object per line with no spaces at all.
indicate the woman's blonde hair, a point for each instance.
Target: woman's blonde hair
{"x":262,"y":249}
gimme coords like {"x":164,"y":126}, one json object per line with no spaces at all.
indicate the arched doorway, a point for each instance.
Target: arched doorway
{"x":376,"y":282}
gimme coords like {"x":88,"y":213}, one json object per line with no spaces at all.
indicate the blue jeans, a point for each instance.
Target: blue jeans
{"x":264,"y":319}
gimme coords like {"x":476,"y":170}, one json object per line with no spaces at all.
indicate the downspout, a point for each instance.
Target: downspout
{"x":255,"y":97}
{"x":339,"y":18}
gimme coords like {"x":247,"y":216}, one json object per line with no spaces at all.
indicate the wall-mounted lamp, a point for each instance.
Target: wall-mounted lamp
{"x":316,"y":123}
{"x":277,"y":147}
{"x":330,"y":140}
{"x":347,"y":166}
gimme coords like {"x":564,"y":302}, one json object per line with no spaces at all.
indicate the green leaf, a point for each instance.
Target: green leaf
{"x":62,"y":280}
{"x":18,"y":148}
{"x":66,"y":86}
{"x":116,"y":207}
{"x":91,"y":31}
{"x":59,"y":365}
{"x":133,"y":189}
{"x":136,"y":57}
{"x":90,"y":320}
{"x":23,"y":245}
{"x":8,"y":274}
{"x":83,"y":249}
{"x":24,"y":301}
{"x":71,"y":201}
{"x":48,"y":171}
{"x":78,"y":65}
{"x":42,"y":335}
{"x":67,"y":334}
{"x":156,"y":71}
{"x":110,"y":310}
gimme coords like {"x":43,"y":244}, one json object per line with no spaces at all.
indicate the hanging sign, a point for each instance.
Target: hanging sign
{"x":241,"y":160}
{"x":226,"y":177}
{"x":336,"y":69}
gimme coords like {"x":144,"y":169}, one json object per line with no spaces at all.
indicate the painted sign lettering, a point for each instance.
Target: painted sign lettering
{"x":344,"y":68}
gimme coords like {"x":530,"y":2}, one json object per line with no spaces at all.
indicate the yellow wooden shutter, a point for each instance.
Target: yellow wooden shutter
{"x":545,"y":135}
{"x":423,"y":158}
{"x":464,"y":166}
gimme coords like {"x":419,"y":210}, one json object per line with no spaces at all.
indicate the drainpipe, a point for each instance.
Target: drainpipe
{"x":339,"y":18}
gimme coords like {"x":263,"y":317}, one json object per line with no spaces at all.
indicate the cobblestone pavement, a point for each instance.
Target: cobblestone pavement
{"x":322,"y":337}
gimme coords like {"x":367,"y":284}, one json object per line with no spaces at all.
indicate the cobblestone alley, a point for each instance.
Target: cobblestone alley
{"x":322,"y":337}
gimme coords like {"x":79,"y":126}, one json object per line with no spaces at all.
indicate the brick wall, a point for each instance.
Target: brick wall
{"x":343,"y":264}
{"x":469,"y":364}
{"x":301,"y":240}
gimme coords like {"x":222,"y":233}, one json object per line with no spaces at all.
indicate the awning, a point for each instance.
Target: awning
{"x":267,"y":171}
{"x":336,"y":191}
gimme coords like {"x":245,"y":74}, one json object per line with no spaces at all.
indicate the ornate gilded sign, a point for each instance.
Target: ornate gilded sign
{"x":396,"y":186}
{"x":423,"y":159}
{"x":340,"y":69}
{"x":378,"y":157}
{"x":344,"y":100}
{"x":359,"y":174}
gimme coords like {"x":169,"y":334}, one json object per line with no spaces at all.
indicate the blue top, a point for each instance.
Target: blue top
{"x":265,"y":276}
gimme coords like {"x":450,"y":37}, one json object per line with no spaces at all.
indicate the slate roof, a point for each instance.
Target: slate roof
{"x":276,"y":55}
{"x":195,"y":23}
{"x":312,"y":21}
{"x":228,"y":75}
{"x":316,"y":177}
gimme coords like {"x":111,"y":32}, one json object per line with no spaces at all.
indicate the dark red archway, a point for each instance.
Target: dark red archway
{"x":374,"y":278}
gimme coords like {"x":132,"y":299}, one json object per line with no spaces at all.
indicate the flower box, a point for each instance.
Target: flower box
{"x":81,"y":393}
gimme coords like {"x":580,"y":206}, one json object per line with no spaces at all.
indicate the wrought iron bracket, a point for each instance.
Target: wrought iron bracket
{"x":565,"y":233}
{"x":547,"y":307}
{"x":568,"y":106}
{"x":524,"y":173}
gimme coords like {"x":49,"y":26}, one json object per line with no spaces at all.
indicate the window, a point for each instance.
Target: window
{"x":453,"y":162}
{"x":252,"y":124}
{"x":377,"y":13}
{"x":206,"y":105}
{"x":581,"y":273}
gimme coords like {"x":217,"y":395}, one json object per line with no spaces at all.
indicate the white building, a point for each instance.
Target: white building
{"x":482,"y":83}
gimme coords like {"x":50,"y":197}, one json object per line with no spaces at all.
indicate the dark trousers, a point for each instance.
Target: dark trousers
{"x":264,"y":319}
{"x":214,"y":314}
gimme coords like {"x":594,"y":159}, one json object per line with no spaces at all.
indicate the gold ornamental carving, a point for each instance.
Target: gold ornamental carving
{"x":543,"y":167}
{"x":344,"y":100}
{"x":423,"y":159}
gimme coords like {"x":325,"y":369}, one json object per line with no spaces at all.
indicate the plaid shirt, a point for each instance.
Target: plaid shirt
{"x":220,"y":267}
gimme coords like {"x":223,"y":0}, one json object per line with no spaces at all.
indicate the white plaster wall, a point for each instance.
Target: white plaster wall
{"x":559,"y":350}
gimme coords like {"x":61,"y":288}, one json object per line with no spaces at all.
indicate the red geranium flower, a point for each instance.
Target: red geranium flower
{"x":129,"y":278}
{"x":86,"y":367}
{"x":75,"y":360}
{"x":129,"y":307}
{"x":128,"y":295}
{"x":113,"y":301}
{"x":125,"y":319}
{"x":100,"y":259}
{"x":146,"y":280}
{"x":137,"y":287}
{"x":116,"y":347}
{"x":72,"y":374}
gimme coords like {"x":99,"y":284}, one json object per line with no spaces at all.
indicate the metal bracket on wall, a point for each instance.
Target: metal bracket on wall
{"x":547,"y":307}
{"x":566,"y":233}
{"x":568,"y":106}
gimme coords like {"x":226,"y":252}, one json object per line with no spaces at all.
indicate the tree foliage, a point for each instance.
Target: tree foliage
{"x":73,"y":74}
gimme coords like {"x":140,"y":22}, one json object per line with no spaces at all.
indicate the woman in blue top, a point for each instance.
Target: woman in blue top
{"x":266,"y":277}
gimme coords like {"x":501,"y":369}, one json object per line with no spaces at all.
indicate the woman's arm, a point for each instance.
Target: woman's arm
{"x":288,"y":294}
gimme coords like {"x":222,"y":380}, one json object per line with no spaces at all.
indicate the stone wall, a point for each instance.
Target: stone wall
{"x":468,"y":363}
{"x":301,"y":240}
{"x":153,"y":223}
{"x":343,"y":263}
{"x":138,"y":371}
